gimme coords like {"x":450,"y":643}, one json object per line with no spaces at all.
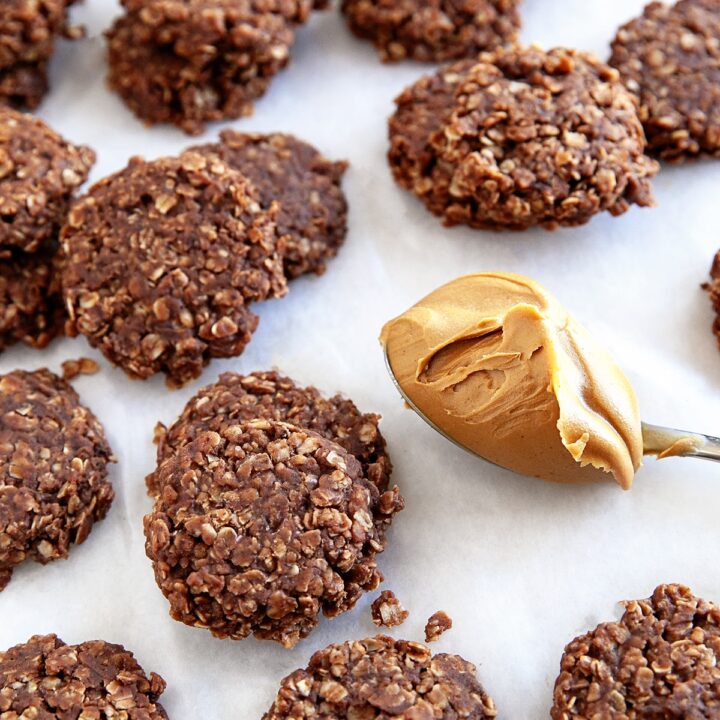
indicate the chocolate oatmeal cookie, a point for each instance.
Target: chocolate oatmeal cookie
{"x":31,"y":305}
{"x":670,"y":58}
{"x":261,"y":526}
{"x":161,"y":261}
{"x":313,"y":209}
{"x":53,"y":469}
{"x":433,"y":31}
{"x":39,"y":171}
{"x":44,"y":678}
{"x":270,"y":396}
{"x":713,"y":287}
{"x":660,"y":660}
{"x":381,"y":678}
{"x":27,"y":37}
{"x":531,"y":138}
{"x":191,"y":62}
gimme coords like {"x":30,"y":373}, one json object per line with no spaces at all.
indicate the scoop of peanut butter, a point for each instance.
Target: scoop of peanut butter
{"x":497,"y":364}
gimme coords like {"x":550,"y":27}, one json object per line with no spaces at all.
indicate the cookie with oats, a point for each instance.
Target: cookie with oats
{"x":28,"y":29}
{"x":53,"y":469}
{"x":670,"y":58}
{"x":31,"y":304}
{"x":45,"y":678}
{"x":191,"y":62}
{"x":660,"y":660}
{"x":39,"y":172}
{"x":161,"y":261}
{"x":238,"y":398}
{"x":261,"y":527}
{"x":531,"y":138}
{"x":434,"y":31}
{"x":381,"y":678}
{"x":312,"y":216}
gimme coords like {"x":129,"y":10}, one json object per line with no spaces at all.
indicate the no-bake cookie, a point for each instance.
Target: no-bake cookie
{"x":312,"y":216}
{"x":191,"y":62}
{"x":713,"y":287}
{"x":660,"y":660}
{"x":527,"y":137}
{"x":28,"y":29}
{"x":262,"y":526}
{"x":44,"y":678}
{"x":31,"y":304}
{"x":53,"y":469}
{"x":433,"y":31}
{"x":39,"y":172}
{"x":161,"y":261}
{"x":238,"y":398}
{"x":381,"y":678}
{"x":670,"y":58}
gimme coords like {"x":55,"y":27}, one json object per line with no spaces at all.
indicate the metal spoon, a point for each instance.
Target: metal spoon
{"x":659,"y":441}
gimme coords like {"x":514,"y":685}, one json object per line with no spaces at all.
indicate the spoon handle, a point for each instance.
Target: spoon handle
{"x":666,"y":442}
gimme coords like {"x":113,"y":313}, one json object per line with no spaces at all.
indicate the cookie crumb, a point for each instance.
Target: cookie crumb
{"x":436,"y":625}
{"x":387,"y":610}
{"x":83,"y":366}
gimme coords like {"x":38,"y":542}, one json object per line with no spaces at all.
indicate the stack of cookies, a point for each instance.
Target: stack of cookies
{"x":162,"y":260}
{"x":39,"y":172}
{"x":28,"y":29}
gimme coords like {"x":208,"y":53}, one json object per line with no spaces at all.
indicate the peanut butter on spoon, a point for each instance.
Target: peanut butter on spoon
{"x":495,"y":363}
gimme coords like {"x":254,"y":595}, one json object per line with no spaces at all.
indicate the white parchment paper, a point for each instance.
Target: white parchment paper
{"x":520,"y":565}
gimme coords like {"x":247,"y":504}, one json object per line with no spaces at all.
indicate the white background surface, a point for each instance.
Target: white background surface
{"x":521,"y":566}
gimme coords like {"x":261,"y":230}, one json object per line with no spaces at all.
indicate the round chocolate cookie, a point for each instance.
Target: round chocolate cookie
{"x":670,"y":58}
{"x":313,"y":209}
{"x":31,"y":305}
{"x":261,"y":526}
{"x":433,"y":31}
{"x":39,"y":171}
{"x":382,"y":678}
{"x":531,"y":138}
{"x":270,"y":396}
{"x":161,"y":261}
{"x":661,"y":660}
{"x":194,"y":61}
{"x":44,"y":678}
{"x":53,"y":469}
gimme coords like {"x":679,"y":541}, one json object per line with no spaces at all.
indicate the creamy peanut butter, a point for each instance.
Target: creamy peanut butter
{"x":496,"y":363}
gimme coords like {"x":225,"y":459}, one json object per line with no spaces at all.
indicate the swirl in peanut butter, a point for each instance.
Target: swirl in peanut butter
{"x":496,"y":363}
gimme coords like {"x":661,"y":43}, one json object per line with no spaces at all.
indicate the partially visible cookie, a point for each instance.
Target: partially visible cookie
{"x":188,"y":63}
{"x":28,"y":29}
{"x":238,"y":398}
{"x":44,"y":678}
{"x":262,"y":526}
{"x":422,"y":111}
{"x":382,"y":678}
{"x":660,"y":660}
{"x":313,"y":209}
{"x":434,"y":31}
{"x":161,"y":261}
{"x":670,"y":58}
{"x":31,"y":304}
{"x":53,"y":469}
{"x":39,"y":172}
{"x":713,"y":287}
{"x":532,"y":138}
